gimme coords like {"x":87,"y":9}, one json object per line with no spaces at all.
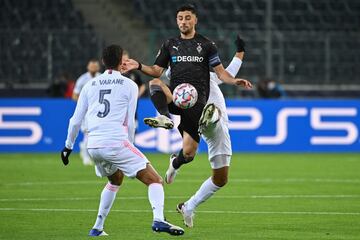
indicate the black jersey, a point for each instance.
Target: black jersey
{"x":190,"y":60}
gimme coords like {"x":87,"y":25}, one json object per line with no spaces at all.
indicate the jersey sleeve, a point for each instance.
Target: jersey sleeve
{"x":234,"y":66}
{"x":214,"y":59}
{"x":76,"y":119}
{"x":131,"y":113}
{"x":163,"y":56}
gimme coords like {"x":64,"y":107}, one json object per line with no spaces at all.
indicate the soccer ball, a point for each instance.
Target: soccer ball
{"x":185,"y":96}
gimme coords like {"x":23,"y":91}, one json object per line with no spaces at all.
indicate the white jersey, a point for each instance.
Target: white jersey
{"x":109,"y":104}
{"x":80,"y":83}
{"x":82,"y":80}
{"x":218,"y":140}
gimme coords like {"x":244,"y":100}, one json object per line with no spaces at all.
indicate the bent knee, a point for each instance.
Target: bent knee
{"x":220,"y":181}
{"x":116,"y":178}
{"x":115,"y":181}
{"x":156,"y":179}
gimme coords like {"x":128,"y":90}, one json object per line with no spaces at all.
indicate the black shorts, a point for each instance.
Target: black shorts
{"x":189,"y":119}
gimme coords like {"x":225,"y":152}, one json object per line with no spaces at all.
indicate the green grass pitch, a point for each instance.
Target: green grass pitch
{"x":269,"y":196}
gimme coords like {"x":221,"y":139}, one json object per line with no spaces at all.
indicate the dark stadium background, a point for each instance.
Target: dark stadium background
{"x":312,"y":47}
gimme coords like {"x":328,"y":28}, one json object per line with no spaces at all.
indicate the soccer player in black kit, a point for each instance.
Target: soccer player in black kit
{"x":190,"y":56}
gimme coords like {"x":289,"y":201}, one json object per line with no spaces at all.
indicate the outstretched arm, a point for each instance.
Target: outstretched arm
{"x":131,"y":64}
{"x":227,"y":78}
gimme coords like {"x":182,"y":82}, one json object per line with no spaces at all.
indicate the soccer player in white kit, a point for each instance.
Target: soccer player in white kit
{"x":108,"y":102}
{"x":93,"y":68}
{"x":213,"y":125}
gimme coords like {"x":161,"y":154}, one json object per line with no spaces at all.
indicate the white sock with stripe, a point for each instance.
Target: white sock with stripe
{"x":156,"y":199}
{"x":106,"y":201}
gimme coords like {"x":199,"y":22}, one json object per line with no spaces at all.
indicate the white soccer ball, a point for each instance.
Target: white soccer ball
{"x":185,"y":96}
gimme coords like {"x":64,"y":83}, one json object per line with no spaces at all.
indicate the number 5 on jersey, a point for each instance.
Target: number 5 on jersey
{"x":104,"y":101}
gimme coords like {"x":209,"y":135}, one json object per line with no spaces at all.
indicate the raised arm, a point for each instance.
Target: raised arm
{"x":235,"y":64}
{"x":221,"y":73}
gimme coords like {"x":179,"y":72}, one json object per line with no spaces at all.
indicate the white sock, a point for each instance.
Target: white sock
{"x":106,"y":201}
{"x":207,"y":189}
{"x":156,"y":199}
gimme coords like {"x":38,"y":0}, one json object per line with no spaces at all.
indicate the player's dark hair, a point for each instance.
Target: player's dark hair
{"x":187,"y":7}
{"x":112,"y":56}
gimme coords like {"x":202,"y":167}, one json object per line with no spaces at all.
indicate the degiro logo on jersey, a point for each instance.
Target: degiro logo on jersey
{"x":175,"y":59}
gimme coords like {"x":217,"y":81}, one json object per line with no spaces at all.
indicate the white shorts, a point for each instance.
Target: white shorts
{"x":127,"y":159}
{"x":220,"y":161}
{"x":217,"y":138}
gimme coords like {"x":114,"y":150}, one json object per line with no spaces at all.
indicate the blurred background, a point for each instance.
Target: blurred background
{"x":310,"y":47}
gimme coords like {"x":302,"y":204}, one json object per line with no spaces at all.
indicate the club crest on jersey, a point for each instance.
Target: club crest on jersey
{"x":199,"y":48}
